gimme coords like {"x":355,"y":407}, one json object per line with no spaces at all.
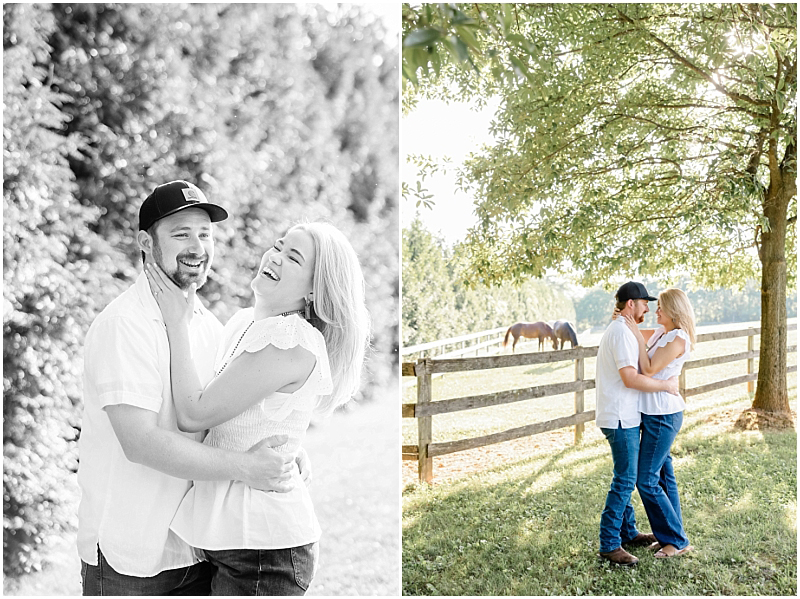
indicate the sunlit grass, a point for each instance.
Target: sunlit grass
{"x":527,"y":524}
{"x":530,"y":528}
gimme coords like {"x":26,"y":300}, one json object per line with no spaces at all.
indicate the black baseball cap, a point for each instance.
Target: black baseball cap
{"x":633,"y":291}
{"x":173,"y":197}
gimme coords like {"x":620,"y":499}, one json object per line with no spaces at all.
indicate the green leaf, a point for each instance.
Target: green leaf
{"x":468,"y":37}
{"x":421,"y":37}
{"x":410,"y":73}
{"x":457,"y":48}
{"x":522,"y":66}
{"x":459,"y":18}
{"x":508,"y":17}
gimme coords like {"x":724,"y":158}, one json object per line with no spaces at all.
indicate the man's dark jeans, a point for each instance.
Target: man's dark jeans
{"x":102,"y":579}
{"x":263,"y":571}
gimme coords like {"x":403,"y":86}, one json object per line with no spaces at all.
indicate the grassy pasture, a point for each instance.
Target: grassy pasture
{"x":523,"y":517}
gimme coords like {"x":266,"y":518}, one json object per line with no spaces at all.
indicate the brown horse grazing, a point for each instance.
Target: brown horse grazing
{"x":531,"y":330}
{"x":564,"y":332}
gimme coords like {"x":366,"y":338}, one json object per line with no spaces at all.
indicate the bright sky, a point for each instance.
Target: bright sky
{"x":438,"y":129}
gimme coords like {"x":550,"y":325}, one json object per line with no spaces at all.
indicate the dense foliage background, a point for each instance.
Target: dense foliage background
{"x":278,"y":112}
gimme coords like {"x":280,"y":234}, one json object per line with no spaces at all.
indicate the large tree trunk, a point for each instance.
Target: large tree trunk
{"x":771,"y":392}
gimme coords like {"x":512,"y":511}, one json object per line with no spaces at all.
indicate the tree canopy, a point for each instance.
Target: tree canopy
{"x":632,"y":139}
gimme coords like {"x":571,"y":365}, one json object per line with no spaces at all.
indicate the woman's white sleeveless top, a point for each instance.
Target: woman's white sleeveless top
{"x":662,"y":402}
{"x":229,"y":514}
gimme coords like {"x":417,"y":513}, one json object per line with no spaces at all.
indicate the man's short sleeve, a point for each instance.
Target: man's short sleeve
{"x":625,"y":349}
{"x":123,"y":363}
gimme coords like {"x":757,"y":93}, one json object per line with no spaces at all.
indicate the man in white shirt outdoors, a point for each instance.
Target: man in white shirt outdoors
{"x":618,"y":383}
{"x":135,"y":465}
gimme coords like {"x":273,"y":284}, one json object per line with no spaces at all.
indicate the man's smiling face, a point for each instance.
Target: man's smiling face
{"x":183,"y":246}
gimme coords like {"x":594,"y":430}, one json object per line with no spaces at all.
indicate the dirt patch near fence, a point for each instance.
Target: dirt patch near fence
{"x":464,"y":463}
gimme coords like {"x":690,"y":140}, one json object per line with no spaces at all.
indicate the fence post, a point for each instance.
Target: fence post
{"x":751,"y":362}
{"x":579,"y":399}
{"x":425,"y":423}
{"x":682,"y":383}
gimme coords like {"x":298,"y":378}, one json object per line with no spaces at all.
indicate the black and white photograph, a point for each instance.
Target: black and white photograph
{"x":200,"y":299}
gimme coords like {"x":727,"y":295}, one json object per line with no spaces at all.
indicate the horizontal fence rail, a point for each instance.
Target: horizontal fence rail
{"x":425,"y":408}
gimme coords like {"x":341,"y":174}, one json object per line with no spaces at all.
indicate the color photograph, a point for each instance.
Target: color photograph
{"x":599,"y":299}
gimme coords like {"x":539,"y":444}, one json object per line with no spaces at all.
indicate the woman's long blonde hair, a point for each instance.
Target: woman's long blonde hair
{"x":676,"y":305}
{"x":339,"y":310}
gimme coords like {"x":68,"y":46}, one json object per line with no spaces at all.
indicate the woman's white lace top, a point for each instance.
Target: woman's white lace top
{"x":231,"y":515}
{"x":662,"y":402}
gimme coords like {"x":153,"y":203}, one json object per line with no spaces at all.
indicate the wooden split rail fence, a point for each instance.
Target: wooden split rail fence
{"x":425,"y":408}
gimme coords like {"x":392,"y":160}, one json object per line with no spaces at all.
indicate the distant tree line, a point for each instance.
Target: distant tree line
{"x":440,"y":300}
{"x":711,"y":306}
{"x":279,"y":112}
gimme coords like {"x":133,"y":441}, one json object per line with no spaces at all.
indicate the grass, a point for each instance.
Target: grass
{"x":528,"y":523}
{"x":530,"y":527}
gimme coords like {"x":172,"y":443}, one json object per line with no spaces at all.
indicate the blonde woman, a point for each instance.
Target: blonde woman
{"x":298,"y":350}
{"x":662,"y":357}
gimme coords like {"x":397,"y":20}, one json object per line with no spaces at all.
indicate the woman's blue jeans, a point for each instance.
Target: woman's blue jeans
{"x":656,"y":481}
{"x":617,"y":522}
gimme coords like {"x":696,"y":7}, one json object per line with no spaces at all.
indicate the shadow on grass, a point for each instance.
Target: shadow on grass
{"x":543,"y":369}
{"x":530,"y":528}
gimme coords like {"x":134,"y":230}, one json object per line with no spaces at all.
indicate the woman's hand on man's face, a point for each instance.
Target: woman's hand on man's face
{"x":633,"y":327}
{"x":175,"y":306}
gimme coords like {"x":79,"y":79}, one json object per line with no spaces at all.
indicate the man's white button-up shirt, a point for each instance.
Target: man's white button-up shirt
{"x":126,"y":508}
{"x":616,"y":404}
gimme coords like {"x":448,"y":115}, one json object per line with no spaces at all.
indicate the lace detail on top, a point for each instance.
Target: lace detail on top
{"x":278,"y":413}
{"x":662,"y":339}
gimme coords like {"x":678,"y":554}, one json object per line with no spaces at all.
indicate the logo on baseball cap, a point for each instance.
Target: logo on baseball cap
{"x":173,"y":197}
{"x":633,"y":290}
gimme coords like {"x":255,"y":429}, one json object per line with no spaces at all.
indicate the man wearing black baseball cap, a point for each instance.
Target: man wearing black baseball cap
{"x":176,"y":208}
{"x":617,"y":383}
{"x":135,"y":465}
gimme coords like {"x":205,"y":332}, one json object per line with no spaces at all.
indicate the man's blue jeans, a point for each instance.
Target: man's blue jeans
{"x":102,"y":579}
{"x":617,"y":522}
{"x":656,"y":481}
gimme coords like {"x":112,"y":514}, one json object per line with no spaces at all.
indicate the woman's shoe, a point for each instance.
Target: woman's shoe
{"x":668,"y":551}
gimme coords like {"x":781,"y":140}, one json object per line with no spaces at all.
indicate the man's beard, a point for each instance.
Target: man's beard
{"x":181,"y":279}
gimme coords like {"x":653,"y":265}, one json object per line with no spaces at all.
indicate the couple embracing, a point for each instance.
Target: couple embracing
{"x":192,"y":473}
{"x":640,"y":411}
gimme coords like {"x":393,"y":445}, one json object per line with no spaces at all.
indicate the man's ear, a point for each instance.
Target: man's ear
{"x":631,"y":304}
{"x":145,"y":242}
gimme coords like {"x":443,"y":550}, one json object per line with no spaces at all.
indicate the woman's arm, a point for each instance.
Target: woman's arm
{"x":244,"y":382}
{"x":664,"y":355}
{"x":661,"y":357}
